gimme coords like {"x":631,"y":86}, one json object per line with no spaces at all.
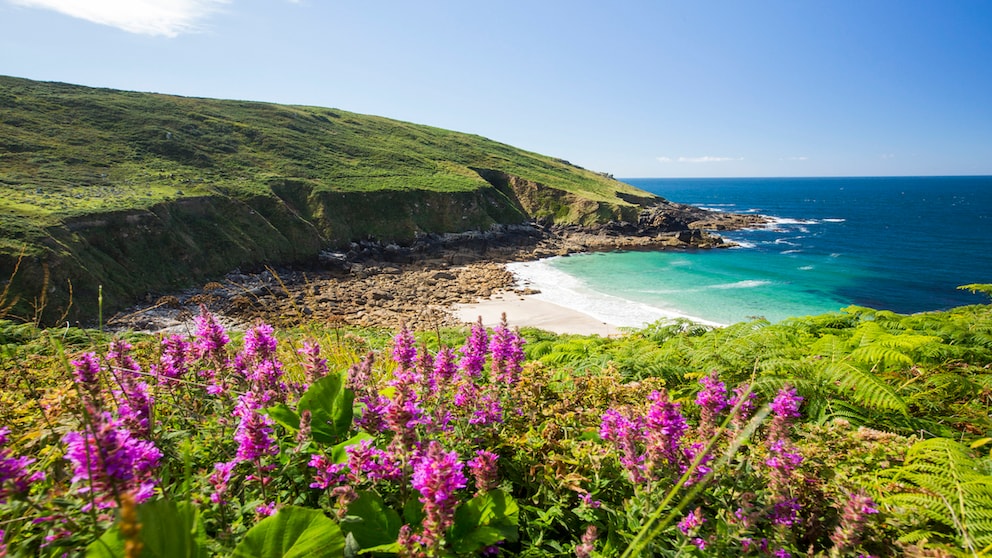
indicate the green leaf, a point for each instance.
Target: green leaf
{"x":484,"y":521}
{"x":413,"y":512}
{"x":293,"y":532}
{"x":167,"y":530}
{"x":285,"y":416}
{"x":980,"y":442}
{"x":391,"y":548}
{"x":109,"y":545}
{"x":330,"y":406}
{"x":371,"y":522}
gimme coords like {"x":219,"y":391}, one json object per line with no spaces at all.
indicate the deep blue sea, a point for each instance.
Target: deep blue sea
{"x":894,"y":243}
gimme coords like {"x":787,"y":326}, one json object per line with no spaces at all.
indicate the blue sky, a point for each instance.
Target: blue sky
{"x":636,"y":88}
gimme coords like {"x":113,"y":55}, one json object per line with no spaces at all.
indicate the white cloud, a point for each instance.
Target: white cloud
{"x":703,"y":159}
{"x":167,"y":18}
{"x":799,"y":158}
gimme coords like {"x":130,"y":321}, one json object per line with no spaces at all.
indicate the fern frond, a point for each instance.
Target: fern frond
{"x":863,"y":388}
{"x":537,"y":350}
{"x":945,"y":485}
{"x":841,"y":410}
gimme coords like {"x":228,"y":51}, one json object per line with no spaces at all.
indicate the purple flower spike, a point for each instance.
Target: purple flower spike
{"x":373,"y":414}
{"x":260,"y":344}
{"x":786,"y":512}
{"x":786,"y":403}
{"x":746,"y":409}
{"x":692,"y":521}
{"x":118,"y":355}
{"x":135,"y":408}
{"x":853,"y":519}
{"x":267,"y":509}
{"x":785,"y":409}
{"x":444,"y":370}
{"x":508,"y":356}
{"x":110,"y":460}
{"x":219,"y":479}
{"x":404,"y":413}
{"x":627,"y":435}
{"x":327,"y":474}
{"x":87,"y":373}
{"x":664,"y":428}
{"x":586,"y":546}
{"x":712,"y":401}
{"x":210,"y":336}
{"x":360,"y":374}
{"x":483,"y":467}
{"x":374,"y":463}
{"x":254,"y":436}
{"x":405,"y":349}
{"x":314,"y":367}
{"x":488,"y":411}
{"x":176,"y":354}
{"x":14,"y":475}
{"x":437,"y":475}
{"x":474,"y":351}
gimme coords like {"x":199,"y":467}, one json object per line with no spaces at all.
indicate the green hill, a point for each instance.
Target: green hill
{"x":142,"y":192}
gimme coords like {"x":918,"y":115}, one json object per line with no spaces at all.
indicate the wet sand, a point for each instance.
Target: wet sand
{"x":525,"y":310}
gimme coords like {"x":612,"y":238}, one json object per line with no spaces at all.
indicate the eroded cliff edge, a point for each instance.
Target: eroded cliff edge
{"x":132,"y":256}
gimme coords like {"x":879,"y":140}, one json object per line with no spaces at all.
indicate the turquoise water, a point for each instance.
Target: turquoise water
{"x":902,"y":244}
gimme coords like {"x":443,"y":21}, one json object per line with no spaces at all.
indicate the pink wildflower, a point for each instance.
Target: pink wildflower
{"x":474,"y":351}
{"x":437,"y":475}
{"x":507,"y":354}
{"x":109,"y":460}
{"x":483,"y":468}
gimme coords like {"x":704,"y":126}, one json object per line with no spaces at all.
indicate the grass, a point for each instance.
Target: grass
{"x":77,"y":143}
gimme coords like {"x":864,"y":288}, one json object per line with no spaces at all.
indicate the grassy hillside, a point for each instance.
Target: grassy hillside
{"x":69,"y":150}
{"x":140,"y":192}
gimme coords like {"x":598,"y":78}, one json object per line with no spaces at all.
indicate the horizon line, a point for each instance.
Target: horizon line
{"x":803,"y":177}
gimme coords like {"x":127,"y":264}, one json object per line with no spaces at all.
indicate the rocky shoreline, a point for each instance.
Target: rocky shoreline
{"x":376,"y":284}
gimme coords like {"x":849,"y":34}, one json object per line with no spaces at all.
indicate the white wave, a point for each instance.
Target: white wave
{"x":834,"y":220}
{"x":790,"y":221}
{"x":806,"y":267}
{"x":558,"y":287}
{"x":791,"y":251}
{"x":716,"y":208}
{"x":744,"y":244}
{"x":786,"y":242}
{"x":746,"y":284}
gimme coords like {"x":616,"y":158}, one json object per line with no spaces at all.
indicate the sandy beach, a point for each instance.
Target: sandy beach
{"x":525,"y":310}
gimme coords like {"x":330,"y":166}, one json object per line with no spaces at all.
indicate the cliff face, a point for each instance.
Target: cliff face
{"x":137,"y":255}
{"x":172,"y":245}
{"x":556,"y":206}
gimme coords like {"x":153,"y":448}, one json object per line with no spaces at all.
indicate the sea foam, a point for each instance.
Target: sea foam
{"x":567,"y":291}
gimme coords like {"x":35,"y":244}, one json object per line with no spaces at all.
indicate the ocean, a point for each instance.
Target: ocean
{"x":894,"y":243}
